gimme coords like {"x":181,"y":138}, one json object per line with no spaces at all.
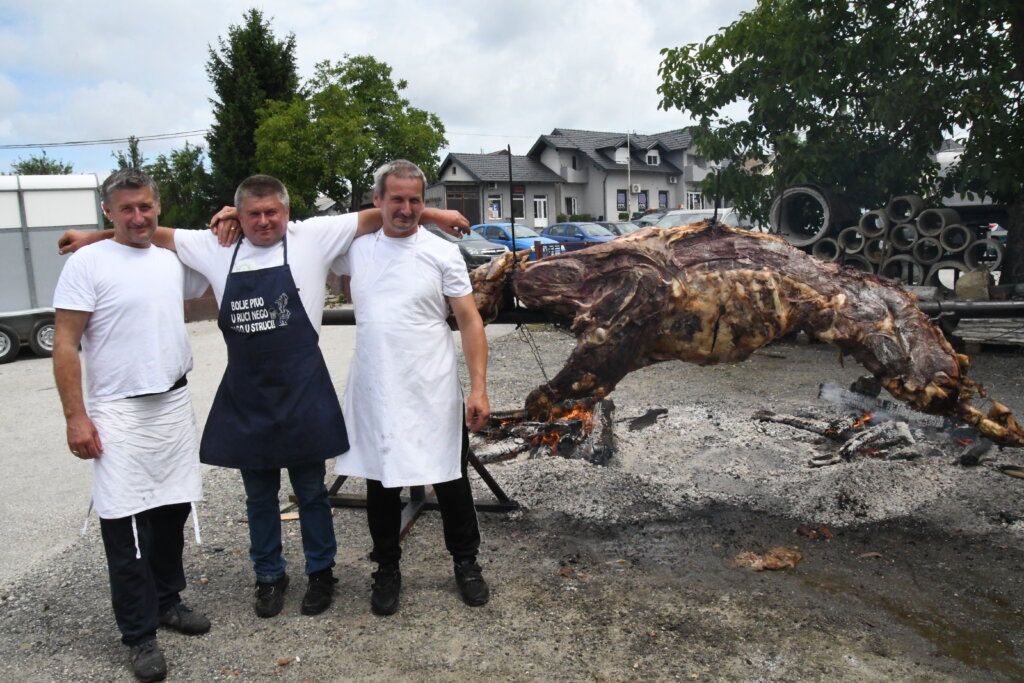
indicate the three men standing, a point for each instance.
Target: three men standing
{"x":122,"y":301}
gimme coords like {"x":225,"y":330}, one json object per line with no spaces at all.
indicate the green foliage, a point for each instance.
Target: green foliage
{"x":623,"y":215}
{"x":184,"y":186}
{"x":40,"y":165}
{"x":132,"y":158}
{"x":858,"y":96}
{"x":581,"y":218}
{"x":352,"y":121}
{"x":561,"y":218}
{"x":247,"y":70}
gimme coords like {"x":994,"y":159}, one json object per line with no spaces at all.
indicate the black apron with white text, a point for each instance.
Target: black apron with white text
{"x":276,"y":405}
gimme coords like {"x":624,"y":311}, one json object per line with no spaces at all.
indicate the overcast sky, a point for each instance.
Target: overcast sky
{"x":496,"y":73}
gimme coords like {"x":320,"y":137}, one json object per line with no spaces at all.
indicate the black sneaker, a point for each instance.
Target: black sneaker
{"x":320,"y":592}
{"x":387,"y":584}
{"x":182,"y":619}
{"x":270,"y":597}
{"x":472,"y":587}
{"x":148,"y":661}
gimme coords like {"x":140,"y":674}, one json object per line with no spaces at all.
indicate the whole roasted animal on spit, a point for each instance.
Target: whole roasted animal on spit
{"x":708,"y":293}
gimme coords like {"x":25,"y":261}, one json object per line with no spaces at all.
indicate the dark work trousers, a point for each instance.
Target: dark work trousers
{"x":142,"y":589}
{"x":458,"y":516}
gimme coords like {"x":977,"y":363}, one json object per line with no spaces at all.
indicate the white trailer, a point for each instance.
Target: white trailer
{"x":34,"y":211}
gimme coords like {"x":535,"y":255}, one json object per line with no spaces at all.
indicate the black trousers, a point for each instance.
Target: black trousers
{"x":458,"y":516}
{"x":142,"y":589}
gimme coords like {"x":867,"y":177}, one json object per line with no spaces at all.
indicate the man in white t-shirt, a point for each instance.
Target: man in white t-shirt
{"x":406,"y":414}
{"x":122,"y":301}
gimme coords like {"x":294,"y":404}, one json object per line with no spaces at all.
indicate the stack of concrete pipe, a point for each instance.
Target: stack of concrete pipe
{"x":904,"y":240}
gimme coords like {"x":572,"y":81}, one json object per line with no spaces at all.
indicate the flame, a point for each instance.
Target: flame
{"x":580,"y":411}
{"x":864,"y":419}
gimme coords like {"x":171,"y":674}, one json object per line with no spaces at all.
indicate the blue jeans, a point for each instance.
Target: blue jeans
{"x":262,"y":489}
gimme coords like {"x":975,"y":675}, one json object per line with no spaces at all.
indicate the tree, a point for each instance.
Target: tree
{"x":184,"y":186}
{"x":40,"y":165}
{"x":248,"y":69}
{"x":353,"y":121}
{"x":132,"y":158}
{"x":858,"y":96}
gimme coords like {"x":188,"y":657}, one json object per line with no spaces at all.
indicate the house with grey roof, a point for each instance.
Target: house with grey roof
{"x":574,"y":172}
{"x":478,"y":186}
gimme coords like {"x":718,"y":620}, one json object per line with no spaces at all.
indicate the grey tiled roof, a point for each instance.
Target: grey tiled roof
{"x":494,"y":168}
{"x":600,"y":147}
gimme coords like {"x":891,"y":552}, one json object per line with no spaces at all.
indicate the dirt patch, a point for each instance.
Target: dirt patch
{"x":619,"y":571}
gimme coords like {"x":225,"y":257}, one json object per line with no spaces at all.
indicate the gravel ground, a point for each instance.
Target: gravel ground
{"x":605,"y":573}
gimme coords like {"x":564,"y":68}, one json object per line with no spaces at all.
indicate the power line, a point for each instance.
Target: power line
{"x":110,"y":141}
{"x":193,"y":133}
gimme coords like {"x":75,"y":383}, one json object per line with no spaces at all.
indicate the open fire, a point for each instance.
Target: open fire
{"x":570,"y":432}
{"x":883,"y":429}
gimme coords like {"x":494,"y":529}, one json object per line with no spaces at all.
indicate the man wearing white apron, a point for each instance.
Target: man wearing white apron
{"x":403,"y":403}
{"x":122,"y":300}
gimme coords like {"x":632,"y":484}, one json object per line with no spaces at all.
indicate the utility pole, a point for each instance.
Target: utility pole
{"x":629,"y":182}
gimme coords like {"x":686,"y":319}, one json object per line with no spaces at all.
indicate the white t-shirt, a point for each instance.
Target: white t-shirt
{"x":135,"y":341}
{"x":312,"y":245}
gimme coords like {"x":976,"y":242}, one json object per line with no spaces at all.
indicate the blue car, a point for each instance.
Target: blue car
{"x":501,"y":233}
{"x":578,"y":232}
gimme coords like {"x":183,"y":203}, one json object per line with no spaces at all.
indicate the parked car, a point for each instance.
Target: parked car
{"x":578,"y":232}
{"x":647,"y":220}
{"x":619,"y":228}
{"x":476,"y":251}
{"x":679,"y":217}
{"x":501,"y":233}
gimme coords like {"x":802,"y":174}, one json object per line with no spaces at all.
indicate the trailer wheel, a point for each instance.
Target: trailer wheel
{"x":41,"y":339}
{"x":9,"y":344}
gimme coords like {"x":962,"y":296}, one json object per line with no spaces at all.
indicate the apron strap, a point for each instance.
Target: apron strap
{"x":135,"y":535}
{"x":195,"y":523}
{"x":85,"y":526}
{"x":234,"y":254}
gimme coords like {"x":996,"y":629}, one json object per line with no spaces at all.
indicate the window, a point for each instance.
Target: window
{"x":653,"y":159}
{"x":455,"y":171}
{"x":620,"y":200}
{"x":540,"y":206}
{"x":662,"y":199}
{"x":641,"y":200}
{"x":570,"y":205}
{"x":493,"y":206}
{"x":574,"y":162}
{"x":694,"y":200}
{"x":518,"y":201}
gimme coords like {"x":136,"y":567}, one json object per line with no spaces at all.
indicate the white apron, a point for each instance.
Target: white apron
{"x":150,"y":454}
{"x":403,"y":402}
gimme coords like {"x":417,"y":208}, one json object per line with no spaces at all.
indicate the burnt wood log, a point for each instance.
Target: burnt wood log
{"x":709,"y":294}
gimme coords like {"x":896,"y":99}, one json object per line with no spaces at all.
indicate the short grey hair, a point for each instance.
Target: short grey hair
{"x":399,"y":168}
{"x":260,"y":186}
{"x":127,"y":179}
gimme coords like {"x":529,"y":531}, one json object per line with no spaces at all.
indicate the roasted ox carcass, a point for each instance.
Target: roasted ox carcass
{"x":710,"y":294}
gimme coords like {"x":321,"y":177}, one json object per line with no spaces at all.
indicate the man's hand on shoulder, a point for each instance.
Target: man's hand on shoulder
{"x":73,"y":240}
{"x":452,"y":222}
{"x":226,"y":227}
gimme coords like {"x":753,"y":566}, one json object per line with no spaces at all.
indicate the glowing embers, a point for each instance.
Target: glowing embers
{"x":877,"y":428}
{"x":576,"y":429}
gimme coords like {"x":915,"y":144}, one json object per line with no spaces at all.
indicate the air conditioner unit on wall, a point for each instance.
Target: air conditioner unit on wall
{"x":672,"y":180}
{"x":634,"y":188}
